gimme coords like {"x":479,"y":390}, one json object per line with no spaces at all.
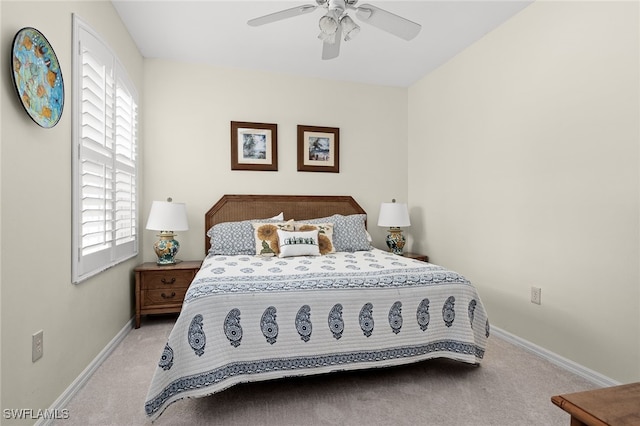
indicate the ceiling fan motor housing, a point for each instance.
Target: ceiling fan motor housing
{"x":339,"y":6}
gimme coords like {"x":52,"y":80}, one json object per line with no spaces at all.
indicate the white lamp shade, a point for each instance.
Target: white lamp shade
{"x":168,"y":216}
{"x":394,"y":215}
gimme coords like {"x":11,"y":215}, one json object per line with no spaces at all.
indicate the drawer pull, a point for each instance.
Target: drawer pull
{"x":171,"y":281}
{"x":173,"y":294}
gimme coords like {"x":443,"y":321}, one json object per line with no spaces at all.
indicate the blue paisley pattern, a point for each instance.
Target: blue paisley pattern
{"x":196,"y":336}
{"x":232,"y":327}
{"x":166,"y":360}
{"x":366,"y":319}
{"x":336,"y":324}
{"x":472,"y":310}
{"x":268,"y":289}
{"x":291,"y":364}
{"x":303,"y":323}
{"x":395,"y":317}
{"x":377,"y":269}
{"x":448,"y":312}
{"x":269,"y":325}
{"x":422,"y":315}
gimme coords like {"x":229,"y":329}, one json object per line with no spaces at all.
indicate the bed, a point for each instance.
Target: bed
{"x":316,"y":299}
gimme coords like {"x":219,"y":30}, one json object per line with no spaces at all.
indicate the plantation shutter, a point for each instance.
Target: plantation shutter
{"x":105,"y":164}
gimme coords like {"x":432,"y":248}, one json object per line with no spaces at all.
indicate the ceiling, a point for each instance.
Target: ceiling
{"x":216,"y":32}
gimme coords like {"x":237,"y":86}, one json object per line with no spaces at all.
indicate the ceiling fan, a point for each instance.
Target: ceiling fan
{"x":336,"y":23}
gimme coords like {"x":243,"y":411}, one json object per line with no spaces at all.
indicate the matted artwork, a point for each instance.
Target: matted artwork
{"x":254,"y":146}
{"x":318,"y":149}
{"x":37,"y":77}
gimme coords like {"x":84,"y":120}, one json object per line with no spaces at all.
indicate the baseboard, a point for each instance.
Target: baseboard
{"x":562,"y":362}
{"x":80,"y":381}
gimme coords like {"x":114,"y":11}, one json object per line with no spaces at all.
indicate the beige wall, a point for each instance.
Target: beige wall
{"x":188,"y":110}
{"x":524,"y":171}
{"x":35,"y":173}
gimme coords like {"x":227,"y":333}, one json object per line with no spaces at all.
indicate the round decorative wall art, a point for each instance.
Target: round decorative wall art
{"x":37,"y":77}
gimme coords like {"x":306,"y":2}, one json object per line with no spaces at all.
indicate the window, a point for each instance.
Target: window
{"x":105,"y":132}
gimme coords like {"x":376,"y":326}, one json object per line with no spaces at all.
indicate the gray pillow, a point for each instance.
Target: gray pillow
{"x":232,"y":238}
{"x":349,"y":232}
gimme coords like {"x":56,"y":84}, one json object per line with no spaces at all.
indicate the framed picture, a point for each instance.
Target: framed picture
{"x":254,"y":146}
{"x":318,"y":149}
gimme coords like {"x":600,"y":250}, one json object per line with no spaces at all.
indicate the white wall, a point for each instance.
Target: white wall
{"x":524,"y":171}
{"x":35,"y":175}
{"x":187,"y":113}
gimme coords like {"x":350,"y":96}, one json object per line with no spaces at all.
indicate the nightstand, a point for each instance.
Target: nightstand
{"x":416,"y":256}
{"x":161,"y":289}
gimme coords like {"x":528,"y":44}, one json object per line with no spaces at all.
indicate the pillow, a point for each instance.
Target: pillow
{"x":266,"y":237}
{"x":349,"y":232}
{"x":232,"y":238}
{"x":325,"y":235}
{"x":278,"y":217}
{"x":298,"y":243}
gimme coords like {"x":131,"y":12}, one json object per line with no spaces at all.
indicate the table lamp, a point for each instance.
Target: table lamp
{"x":167,"y":217}
{"x":394,"y":215}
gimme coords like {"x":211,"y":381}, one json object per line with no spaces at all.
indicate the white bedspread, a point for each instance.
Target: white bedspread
{"x":249,"y":318}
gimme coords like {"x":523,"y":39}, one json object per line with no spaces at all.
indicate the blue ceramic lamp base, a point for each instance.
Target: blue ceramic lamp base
{"x":395,"y":240}
{"x":166,"y":249}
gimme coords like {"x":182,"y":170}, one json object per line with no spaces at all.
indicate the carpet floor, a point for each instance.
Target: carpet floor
{"x":511,"y":387}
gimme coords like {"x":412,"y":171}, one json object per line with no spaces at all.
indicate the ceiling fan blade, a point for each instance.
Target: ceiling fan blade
{"x":332,"y":50}
{"x":387,"y":21}
{"x":283,"y":14}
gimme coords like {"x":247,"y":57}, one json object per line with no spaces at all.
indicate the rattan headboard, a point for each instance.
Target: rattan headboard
{"x":233,"y":208}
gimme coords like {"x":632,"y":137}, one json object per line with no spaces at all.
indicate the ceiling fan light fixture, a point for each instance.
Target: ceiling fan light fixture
{"x":349,"y":28}
{"x":329,"y":23}
{"x":327,"y":38}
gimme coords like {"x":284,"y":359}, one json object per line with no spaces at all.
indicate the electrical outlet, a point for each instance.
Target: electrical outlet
{"x":36,"y":346}
{"x":536,"y":294}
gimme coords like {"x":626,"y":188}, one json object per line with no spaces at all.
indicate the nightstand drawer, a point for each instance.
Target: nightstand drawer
{"x":157,"y":298}
{"x":167,"y":279}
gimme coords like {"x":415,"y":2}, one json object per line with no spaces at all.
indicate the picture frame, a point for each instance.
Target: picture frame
{"x":254,"y":146}
{"x":318,"y":149}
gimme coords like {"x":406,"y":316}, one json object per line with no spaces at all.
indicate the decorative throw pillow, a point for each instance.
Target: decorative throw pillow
{"x":295,"y":243}
{"x":266,"y":237}
{"x":349,"y":232}
{"x":325,"y":235}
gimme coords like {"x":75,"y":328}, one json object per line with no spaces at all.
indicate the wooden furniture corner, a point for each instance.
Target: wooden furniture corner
{"x":616,"y":405}
{"x":416,"y":256}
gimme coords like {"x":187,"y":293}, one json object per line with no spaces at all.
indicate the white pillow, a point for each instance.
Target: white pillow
{"x":298,"y":243}
{"x":278,"y":217}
